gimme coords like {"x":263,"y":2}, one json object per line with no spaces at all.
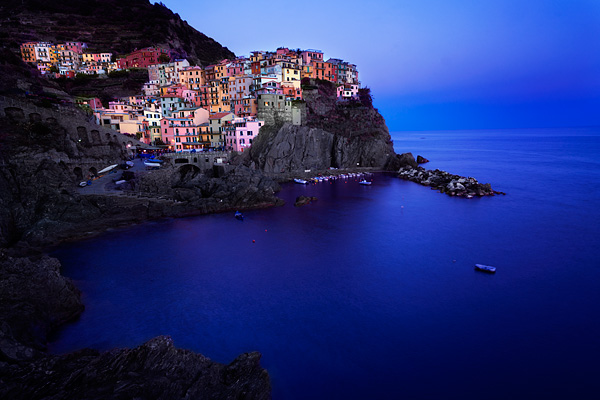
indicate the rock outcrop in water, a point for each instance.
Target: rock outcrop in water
{"x":335,"y":134}
{"x":304,"y":200}
{"x":445,"y":182}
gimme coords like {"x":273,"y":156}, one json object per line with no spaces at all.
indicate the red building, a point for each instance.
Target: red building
{"x":142,"y":58}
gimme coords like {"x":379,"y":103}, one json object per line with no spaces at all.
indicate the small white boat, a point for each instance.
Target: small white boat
{"x":109,"y":168}
{"x":300,"y":181}
{"x":485,"y":268}
{"x":151,"y":165}
{"x":120,"y":182}
{"x":238,"y":215}
{"x":364,"y":182}
{"x":83,"y":184}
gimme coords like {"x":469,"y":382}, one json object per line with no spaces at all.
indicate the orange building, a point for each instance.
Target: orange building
{"x":28,"y":51}
{"x":324,"y":71}
{"x":192,"y":77}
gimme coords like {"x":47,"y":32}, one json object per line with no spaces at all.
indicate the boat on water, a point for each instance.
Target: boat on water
{"x":239,"y":215}
{"x":365,"y":182}
{"x":300,"y":181}
{"x":485,"y":268}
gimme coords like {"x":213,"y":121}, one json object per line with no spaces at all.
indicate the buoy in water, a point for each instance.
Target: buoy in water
{"x":253,"y":241}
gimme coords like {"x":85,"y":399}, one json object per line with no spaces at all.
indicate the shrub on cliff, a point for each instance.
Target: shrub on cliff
{"x":364,"y":96}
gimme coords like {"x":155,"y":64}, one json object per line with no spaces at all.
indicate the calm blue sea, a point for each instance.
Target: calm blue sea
{"x":370,"y":292}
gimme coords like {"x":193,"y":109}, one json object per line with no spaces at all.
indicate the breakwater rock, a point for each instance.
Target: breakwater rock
{"x":445,"y":182}
{"x":154,"y":370}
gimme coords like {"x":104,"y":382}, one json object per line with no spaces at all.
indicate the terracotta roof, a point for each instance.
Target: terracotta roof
{"x":219,"y":115}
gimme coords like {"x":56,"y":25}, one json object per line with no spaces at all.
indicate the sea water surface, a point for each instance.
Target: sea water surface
{"x":370,"y":291}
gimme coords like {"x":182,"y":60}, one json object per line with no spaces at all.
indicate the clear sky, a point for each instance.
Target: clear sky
{"x":436,"y":64}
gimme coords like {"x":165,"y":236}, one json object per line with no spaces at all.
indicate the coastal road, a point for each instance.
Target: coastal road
{"x":99,"y":185}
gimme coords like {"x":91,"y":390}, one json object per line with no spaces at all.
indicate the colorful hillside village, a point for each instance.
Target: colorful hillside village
{"x":185,"y":107}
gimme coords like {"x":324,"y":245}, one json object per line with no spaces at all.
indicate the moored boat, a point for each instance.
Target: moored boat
{"x":239,"y":215}
{"x":365,"y":182}
{"x":485,"y":268}
{"x":300,"y":181}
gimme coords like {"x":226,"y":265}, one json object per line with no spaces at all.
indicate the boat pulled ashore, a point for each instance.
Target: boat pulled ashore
{"x":152,"y":164}
{"x":485,"y":268}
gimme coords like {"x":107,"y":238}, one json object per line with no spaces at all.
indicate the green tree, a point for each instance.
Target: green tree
{"x":163,"y":58}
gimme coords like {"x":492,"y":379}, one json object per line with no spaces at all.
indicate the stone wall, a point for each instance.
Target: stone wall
{"x":203,"y":160}
{"x":274,"y":109}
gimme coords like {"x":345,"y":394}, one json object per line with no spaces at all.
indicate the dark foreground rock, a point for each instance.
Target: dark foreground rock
{"x":154,"y":370}
{"x":422,"y":160}
{"x":34,"y":300}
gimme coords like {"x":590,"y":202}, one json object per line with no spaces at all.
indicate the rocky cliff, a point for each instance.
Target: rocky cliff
{"x":335,"y":134}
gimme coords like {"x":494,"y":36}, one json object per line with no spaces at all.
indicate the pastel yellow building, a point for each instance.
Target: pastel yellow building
{"x":192,"y":77}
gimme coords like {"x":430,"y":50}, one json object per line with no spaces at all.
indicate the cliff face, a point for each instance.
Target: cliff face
{"x":297,"y":148}
{"x":117,"y":26}
{"x":335,"y":134}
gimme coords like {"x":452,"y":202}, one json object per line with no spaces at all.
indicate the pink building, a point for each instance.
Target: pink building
{"x":308,"y":56}
{"x":181,"y":134}
{"x":236,"y":68}
{"x":239,"y":89}
{"x":241,"y":132}
{"x":347,"y":91}
{"x":76,"y":47}
{"x":95,"y":103}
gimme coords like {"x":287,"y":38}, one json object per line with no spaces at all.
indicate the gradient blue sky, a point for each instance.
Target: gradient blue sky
{"x":434,"y":64}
